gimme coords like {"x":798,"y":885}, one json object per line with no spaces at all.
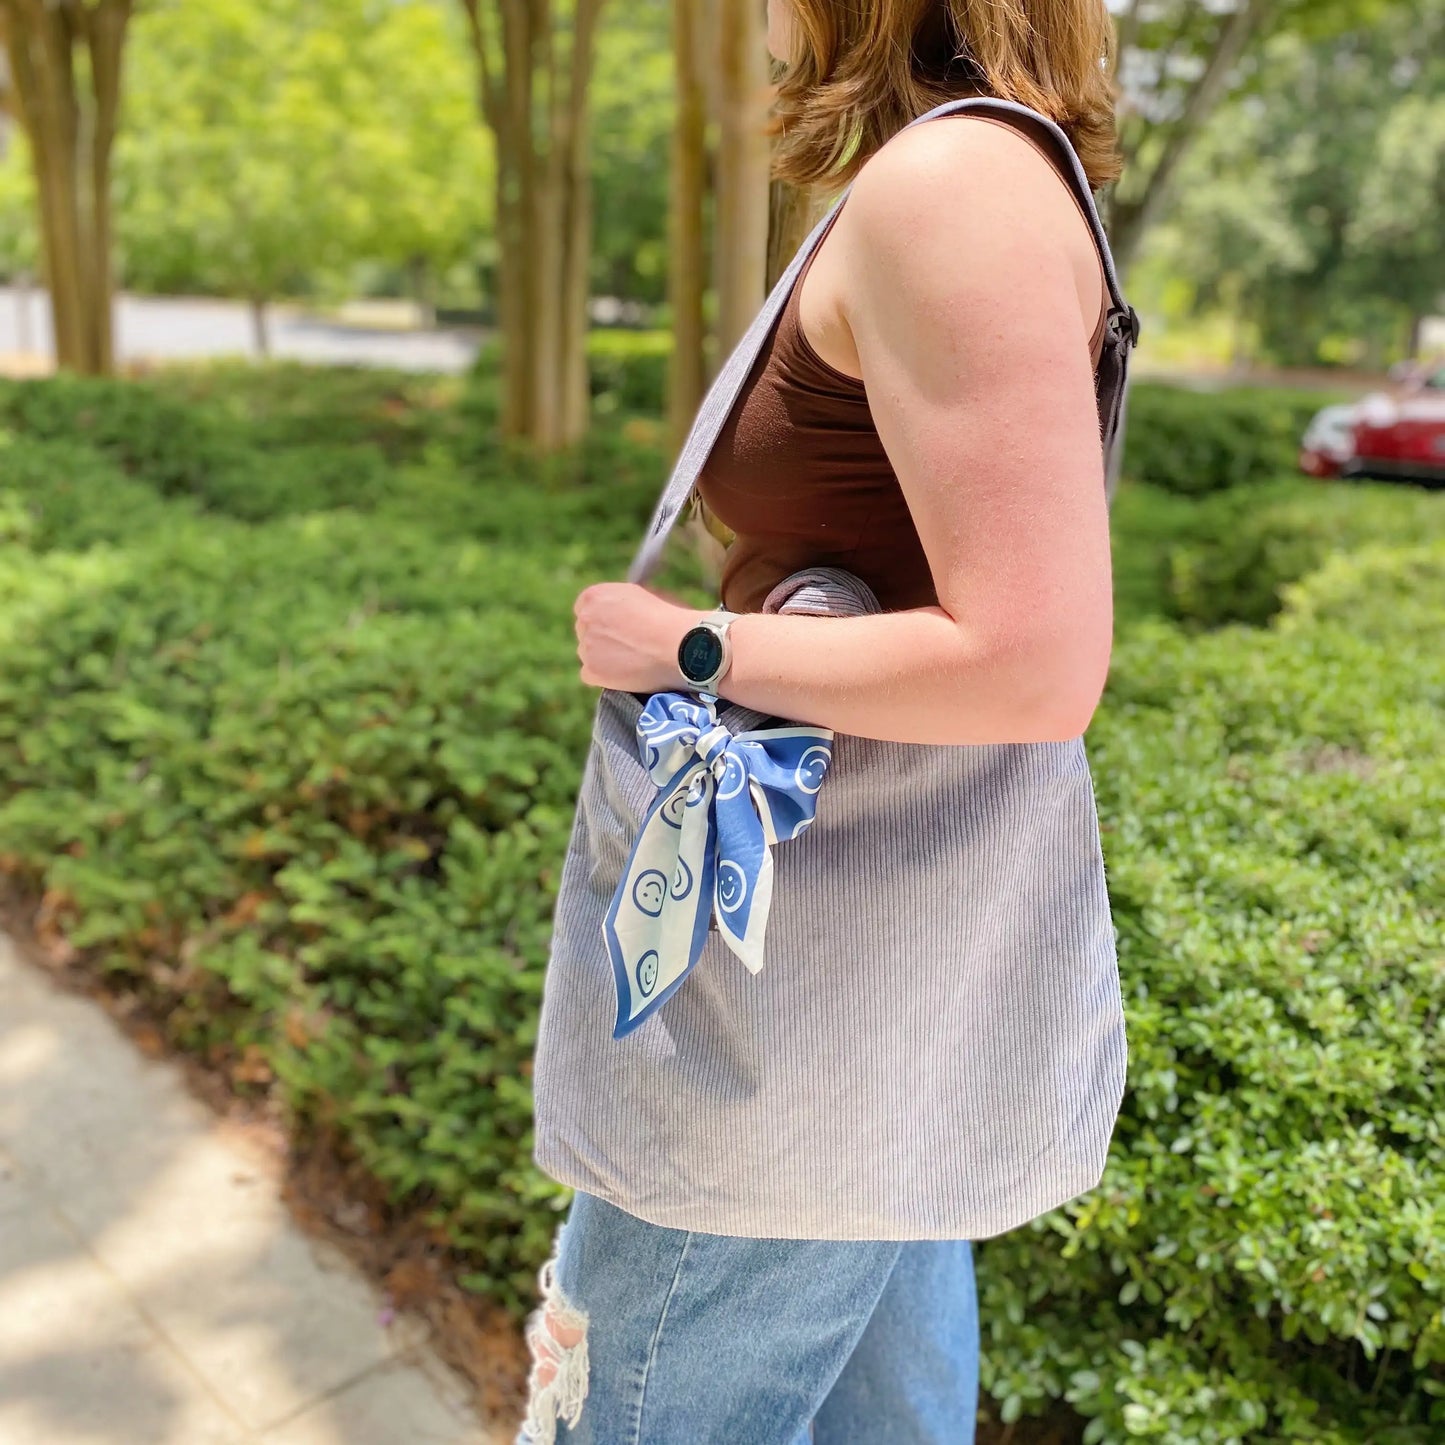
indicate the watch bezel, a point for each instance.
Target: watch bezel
{"x":715,"y":626}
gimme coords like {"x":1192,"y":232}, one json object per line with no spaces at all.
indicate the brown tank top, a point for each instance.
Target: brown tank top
{"x":799,"y":474}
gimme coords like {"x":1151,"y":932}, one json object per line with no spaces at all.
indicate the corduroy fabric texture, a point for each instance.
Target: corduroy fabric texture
{"x":935,"y":1047}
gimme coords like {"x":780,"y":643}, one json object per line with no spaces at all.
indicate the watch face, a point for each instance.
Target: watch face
{"x":700,"y":654}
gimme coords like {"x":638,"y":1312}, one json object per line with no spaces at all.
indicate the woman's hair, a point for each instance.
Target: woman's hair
{"x":865,"y":68}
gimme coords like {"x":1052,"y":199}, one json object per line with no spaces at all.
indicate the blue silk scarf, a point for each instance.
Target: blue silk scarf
{"x":703,"y":848}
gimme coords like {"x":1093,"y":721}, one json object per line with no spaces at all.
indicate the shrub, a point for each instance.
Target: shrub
{"x":308,"y":782}
{"x":602,"y":507}
{"x":71,"y":496}
{"x":308,"y":779}
{"x":289,"y":403}
{"x":176,"y":449}
{"x":1265,"y":1258}
{"x":1145,"y":524}
{"x":213,"y":455}
{"x":1196,"y":442}
{"x":256,"y":443}
{"x":1385,"y":591}
{"x":629,"y":370}
{"x":317,"y":779}
{"x":1250,"y":544}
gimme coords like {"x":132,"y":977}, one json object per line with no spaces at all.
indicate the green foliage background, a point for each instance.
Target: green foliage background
{"x":1310,"y":211}
{"x":290,"y":733}
{"x":317,"y":147}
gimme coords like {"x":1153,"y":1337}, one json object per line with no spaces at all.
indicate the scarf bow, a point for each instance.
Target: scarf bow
{"x":722,"y":800}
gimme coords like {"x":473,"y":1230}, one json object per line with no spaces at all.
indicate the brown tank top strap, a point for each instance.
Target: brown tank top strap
{"x":792,"y":343}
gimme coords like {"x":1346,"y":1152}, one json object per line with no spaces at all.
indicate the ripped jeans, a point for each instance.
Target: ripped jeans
{"x":655,"y":1336}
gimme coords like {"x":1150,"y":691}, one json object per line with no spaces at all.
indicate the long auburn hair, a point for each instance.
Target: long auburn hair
{"x":865,"y":68}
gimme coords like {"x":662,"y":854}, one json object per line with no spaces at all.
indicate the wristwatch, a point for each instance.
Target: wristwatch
{"x":705,"y":654}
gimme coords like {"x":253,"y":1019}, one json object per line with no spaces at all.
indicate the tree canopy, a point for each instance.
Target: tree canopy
{"x":1286,"y":158}
{"x":271,"y":144}
{"x":1314,"y":206}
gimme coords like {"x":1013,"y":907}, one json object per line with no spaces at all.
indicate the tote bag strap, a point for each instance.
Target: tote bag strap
{"x":1121,"y":334}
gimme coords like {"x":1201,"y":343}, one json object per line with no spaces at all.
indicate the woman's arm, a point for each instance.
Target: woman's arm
{"x":968,"y":277}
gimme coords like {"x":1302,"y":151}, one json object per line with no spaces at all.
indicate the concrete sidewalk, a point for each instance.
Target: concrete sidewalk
{"x":153,"y":1290}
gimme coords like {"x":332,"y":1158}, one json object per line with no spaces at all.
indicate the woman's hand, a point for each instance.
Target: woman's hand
{"x":628,"y":636}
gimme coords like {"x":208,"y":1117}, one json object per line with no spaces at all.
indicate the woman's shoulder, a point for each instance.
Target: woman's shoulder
{"x":959,"y":207}
{"x":960,"y":171}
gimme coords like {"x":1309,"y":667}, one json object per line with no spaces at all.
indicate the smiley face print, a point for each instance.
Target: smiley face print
{"x":650,"y":892}
{"x":733,"y":780}
{"x":732,"y":887}
{"x":671,"y":810}
{"x":811,"y":767}
{"x":646,"y":972}
{"x":681,"y":880}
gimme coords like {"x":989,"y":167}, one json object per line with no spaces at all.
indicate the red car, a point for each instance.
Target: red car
{"x":1396,"y":435}
{"x":1402,"y":437}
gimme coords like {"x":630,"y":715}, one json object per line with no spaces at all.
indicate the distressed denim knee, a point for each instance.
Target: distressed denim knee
{"x":557,"y":1336}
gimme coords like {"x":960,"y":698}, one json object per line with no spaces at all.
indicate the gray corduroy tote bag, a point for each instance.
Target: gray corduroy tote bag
{"x":935,"y":1047}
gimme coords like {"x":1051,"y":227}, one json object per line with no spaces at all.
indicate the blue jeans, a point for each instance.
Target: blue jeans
{"x":659,"y":1336}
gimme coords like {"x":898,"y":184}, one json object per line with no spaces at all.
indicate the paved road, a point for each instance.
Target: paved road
{"x":153,"y":1290}
{"x":155,"y":329}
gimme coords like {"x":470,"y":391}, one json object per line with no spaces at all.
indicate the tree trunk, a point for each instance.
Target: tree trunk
{"x":518,"y":218}
{"x":260,"y":326}
{"x":686,"y":272}
{"x":548,"y":240}
{"x":71,"y":129}
{"x":107,"y":27}
{"x":576,"y":265}
{"x":743,"y":166}
{"x":39,"y":47}
{"x":535,"y":100}
{"x":793,"y":214}
{"x":1414,"y":336}
{"x":423,"y":290}
{"x":1131,"y":216}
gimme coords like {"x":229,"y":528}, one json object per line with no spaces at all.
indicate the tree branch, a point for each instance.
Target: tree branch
{"x":1185,"y":16}
{"x":487,"y":86}
{"x":1134,"y":216}
{"x":1128,"y":28}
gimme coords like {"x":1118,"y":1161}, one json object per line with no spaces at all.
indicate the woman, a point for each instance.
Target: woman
{"x":778,"y":1176}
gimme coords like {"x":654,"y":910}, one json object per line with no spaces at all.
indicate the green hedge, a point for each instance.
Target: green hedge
{"x":314,"y":772}
{"x":1248,"y":545}
{"x":307,"y":780}
{"x":629,"y":369}
{"x":311,"y":781}
{"x":1195,"y":442}
{"x":1265,"y":1258}
{"x":178,"y":450}
{"x":1145,"y":524}
{"x":1381,"y":590}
